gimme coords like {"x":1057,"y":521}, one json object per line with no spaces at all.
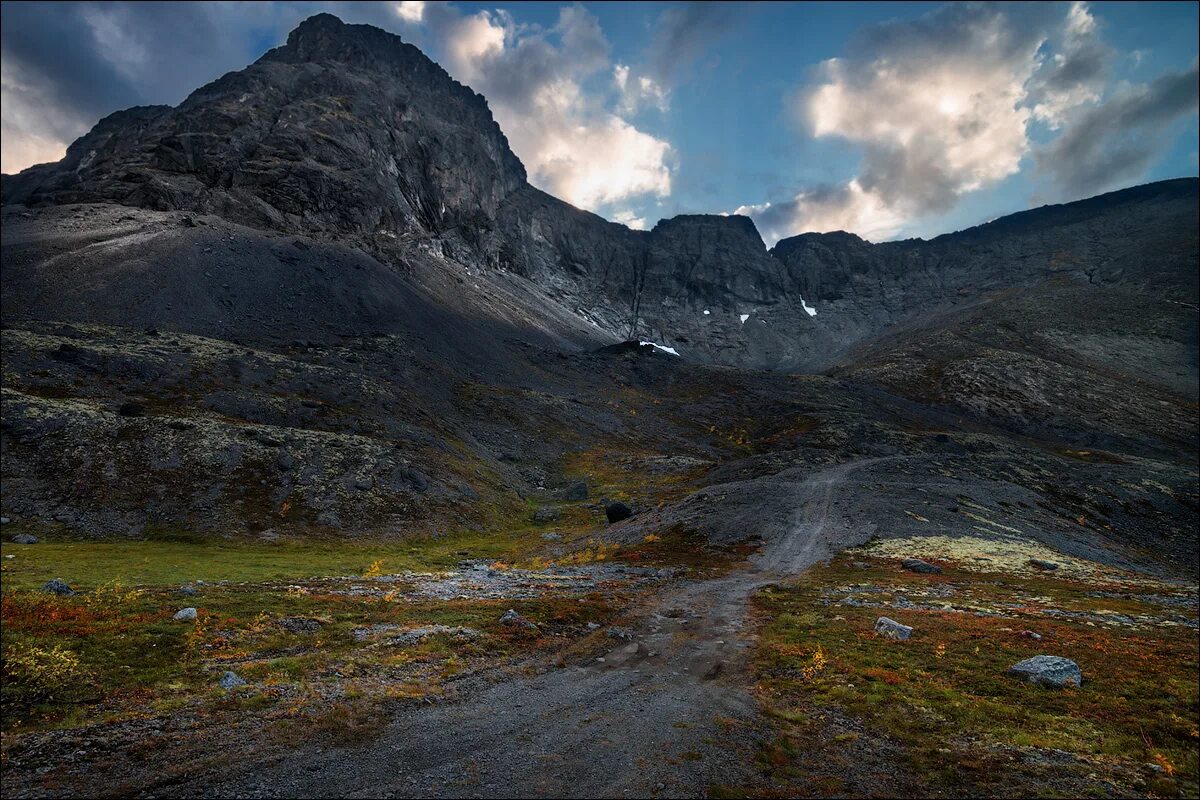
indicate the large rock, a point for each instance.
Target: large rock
{"x":24,"y":538}
{"x":57,"y":586}
{"x":617,"y":511}
{"x":515,"y":620}
{"x":917,"y":565}
{"x":231,"y":680}
{"x":885,"y":626}
{"x":575,"y":491}
{"x":185,"y":615}
{"x":1049,"y":671}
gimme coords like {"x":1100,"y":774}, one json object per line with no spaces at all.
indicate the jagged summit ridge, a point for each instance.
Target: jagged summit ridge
{"x":345,"y":129}
{"x":348,"y":133}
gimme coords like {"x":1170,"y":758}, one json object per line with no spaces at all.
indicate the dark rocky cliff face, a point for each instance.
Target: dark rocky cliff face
{"x":320,"y":295}
{"x":343,"y":129}
{"x":348,"y":133}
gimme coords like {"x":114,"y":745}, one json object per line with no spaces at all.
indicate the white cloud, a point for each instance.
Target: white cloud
{"x":940,"y":107}
{"x":534,"y":78}
{"x":825,"y":209}
{"x":638,"y":91}
{"x":1076,"y":75}
{"x":412,"y":11}
{"x":630,"y":219}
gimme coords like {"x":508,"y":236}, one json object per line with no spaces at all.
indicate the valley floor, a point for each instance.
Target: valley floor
{"x":660,"y":668}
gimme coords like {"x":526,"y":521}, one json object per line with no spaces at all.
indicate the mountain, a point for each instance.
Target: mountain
{"x":320,"y":295}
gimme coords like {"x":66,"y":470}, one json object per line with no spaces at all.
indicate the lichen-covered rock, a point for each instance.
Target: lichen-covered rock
{"x":58,"y":586}
{"x":917,"y":565}
{"x":1053,"y":671}
{"x":231,"y":680}
{"x":885,"y":626}
{"x":24,"y":538}
{"x":185,"y":615}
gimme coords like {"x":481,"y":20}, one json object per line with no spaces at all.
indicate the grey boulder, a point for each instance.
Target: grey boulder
{"x":617,"y":511}
{"x":24,"y":538}
{"x":230,"y":680}
{"x":1048,"y":671}
{"x":886,"y":626}
{"x":511,"y":617}
{"x":917,"y":565}
{"x":185,"y":615}
{"x":1041,"y":564}
{"x":59,"y":587}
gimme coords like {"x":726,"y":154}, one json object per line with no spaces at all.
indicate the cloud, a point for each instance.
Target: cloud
{"x":630,"y":219}
{"x":940,"y":106}
{"x":66,"y":65}
{"x":1116,"y":141}
{"x":845,"y":207}
{"x":638,"y":91}
{"x":1074,"y":76}
{"x":684,"y":33}
{"x":411,"y":10}
{"x":535,"y":80}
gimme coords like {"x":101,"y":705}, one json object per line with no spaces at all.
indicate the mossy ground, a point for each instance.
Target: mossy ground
{"x":113,"y":651}
{"x":941,"y":707}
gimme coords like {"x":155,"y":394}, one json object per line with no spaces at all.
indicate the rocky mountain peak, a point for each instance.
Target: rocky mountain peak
{"x":344,"y":129}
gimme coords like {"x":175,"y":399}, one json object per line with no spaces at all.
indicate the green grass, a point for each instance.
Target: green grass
{"x":112,"y":650}
{"x":84,"y":564}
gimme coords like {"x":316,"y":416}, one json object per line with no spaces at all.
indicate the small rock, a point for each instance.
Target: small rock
{"x":300,"y":624}
{"x":1031,"y":635}
{"x":4,"y":520}
{"x":617,"y":511}
{"x":188,"y":591}
{"x":511,"y":617}
{"x":363,"y":483}
{"x":230,"y":680}
{"x":285,"y":461}
{"x":575,"y":491}
{"x":185,"y":615}
{"x":1041,"y":564}
{"x":552,"y":537}
{"x":1049,"y":671}
{"x":546,"y":514}
{"x":591,"y":626}
{"x":917,"y":565}
{"x":617,"y":632}
{"x":24,"y":538}
{"x":131,"y":409}
{"x":885,"y":626}
{"x":59,"y":587}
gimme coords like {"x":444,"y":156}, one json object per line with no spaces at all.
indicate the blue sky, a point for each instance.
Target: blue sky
{"x":887,"y":119}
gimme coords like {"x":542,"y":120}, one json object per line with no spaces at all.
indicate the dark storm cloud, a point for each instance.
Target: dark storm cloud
{"x":66,"y":65}
{"x":1117,"y":140}
{"x":684,"y":33}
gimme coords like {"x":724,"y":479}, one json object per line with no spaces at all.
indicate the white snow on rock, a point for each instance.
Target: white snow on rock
{"x":670,"y":350}
{"x":744,"y":317}
{"x":812,"y":310}
{"x":706,"y":312}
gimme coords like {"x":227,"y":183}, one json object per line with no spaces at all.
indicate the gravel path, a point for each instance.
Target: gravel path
{"x":665,"y":713}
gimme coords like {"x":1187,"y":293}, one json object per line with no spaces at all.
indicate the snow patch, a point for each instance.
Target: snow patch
{"x":812,"y":310}
{"x":707,"y":312}
{"x":670,"y":350}
{"x":744,"y":317}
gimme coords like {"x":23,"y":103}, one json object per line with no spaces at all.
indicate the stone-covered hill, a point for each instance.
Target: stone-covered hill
{"x":347,"y":133}
{"x":320,"y":296}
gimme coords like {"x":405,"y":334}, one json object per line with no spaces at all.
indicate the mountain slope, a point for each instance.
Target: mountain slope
{"x":320,"y":296}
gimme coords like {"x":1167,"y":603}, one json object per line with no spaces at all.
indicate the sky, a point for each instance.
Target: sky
{"x":889,"y":120}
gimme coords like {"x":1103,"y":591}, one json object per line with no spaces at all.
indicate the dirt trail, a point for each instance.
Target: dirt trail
{"x":666,"y":713}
